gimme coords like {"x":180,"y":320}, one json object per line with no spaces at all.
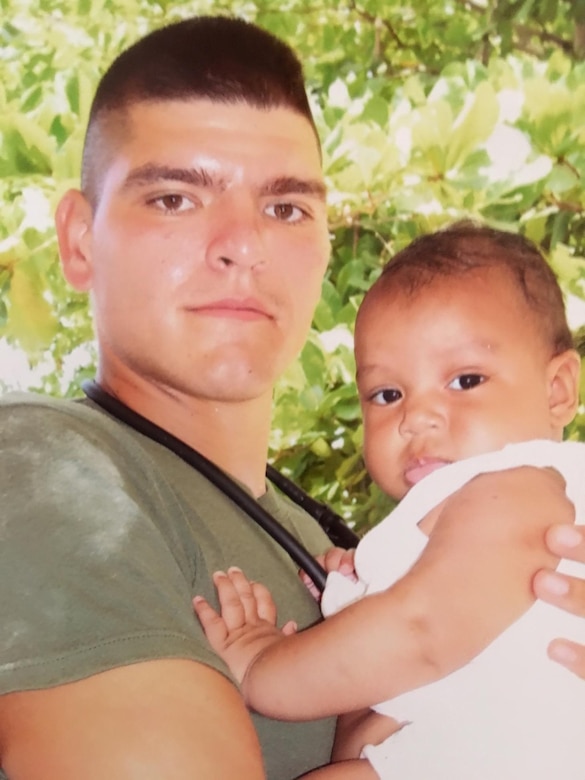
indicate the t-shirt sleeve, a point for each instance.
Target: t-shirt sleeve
{"x":89,"y":578}
{"x":296,"y":520}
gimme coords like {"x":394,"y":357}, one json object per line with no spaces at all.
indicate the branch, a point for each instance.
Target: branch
{"x":523,"y":32}
{"x":377,"y":20}
{"x":562,"y":205}
{"x":568,"y":164}
{"x":579,"y":40}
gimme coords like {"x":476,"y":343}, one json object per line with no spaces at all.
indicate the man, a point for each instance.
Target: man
{"x":201,"y":233}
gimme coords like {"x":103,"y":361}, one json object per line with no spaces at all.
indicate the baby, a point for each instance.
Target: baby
{"x":467,"y":377}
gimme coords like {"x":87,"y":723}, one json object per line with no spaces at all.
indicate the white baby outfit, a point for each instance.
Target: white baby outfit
{"x":511,"y":713}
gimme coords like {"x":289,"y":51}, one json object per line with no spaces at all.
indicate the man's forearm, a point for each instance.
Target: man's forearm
{"x":169,"y":718}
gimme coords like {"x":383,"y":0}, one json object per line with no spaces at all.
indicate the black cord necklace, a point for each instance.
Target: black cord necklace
{"x":329,"y":520}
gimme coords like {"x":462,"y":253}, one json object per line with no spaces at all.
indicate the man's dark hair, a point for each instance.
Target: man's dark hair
{"x":464,"y":247}
{"x":218,"y":58}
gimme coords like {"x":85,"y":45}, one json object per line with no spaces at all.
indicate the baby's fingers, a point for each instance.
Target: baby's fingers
{"x":341,"y":560}
{"x":245,"y":591}
{"x":235,"y":594}
{"x":310,"y":585}
{"x":289,"y":628}
{"x":212,"y":623}
{"x":265,"y":606}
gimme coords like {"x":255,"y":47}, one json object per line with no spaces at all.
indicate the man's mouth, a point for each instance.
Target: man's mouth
{"x":235,"y":308}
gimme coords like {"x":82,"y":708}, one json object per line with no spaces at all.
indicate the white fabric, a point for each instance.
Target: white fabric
{"x":510,"y":714}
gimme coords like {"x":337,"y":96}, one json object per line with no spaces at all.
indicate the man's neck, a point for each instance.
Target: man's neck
{"x":233,"y":435}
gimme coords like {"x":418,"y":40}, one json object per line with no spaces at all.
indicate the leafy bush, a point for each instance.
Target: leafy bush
{"x":427,"y":113}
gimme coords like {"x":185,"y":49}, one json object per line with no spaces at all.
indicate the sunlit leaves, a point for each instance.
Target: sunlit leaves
{"x":427,"y":111}
{"x":32,"y":321}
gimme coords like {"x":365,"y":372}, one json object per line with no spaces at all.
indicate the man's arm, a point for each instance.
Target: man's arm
{"x":158,"y":719}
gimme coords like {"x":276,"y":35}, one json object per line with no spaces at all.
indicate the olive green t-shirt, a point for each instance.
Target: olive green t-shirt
{"x":105,"y":538}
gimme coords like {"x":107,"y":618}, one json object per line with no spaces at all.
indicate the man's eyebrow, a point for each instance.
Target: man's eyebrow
{"x":290,"y":185}
{"x":151,"y":174}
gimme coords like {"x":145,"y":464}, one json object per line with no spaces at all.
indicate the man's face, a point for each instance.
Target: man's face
{"x":458,"y":369}
{"x":208,"y":247}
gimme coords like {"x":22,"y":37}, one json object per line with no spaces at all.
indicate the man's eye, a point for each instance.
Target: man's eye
{"x":466,"y":381}
{"x":286,"y":212}
{"x":386,"y":397}
{"x":172,"y":203}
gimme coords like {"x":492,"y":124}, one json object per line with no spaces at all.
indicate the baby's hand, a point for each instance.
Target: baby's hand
{"x":335,"y":559}
{"x":247,"y":623}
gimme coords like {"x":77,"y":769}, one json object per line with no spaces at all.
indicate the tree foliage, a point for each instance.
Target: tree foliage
{"x":427,"y":111}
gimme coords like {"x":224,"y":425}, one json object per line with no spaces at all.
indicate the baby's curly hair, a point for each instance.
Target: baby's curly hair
{"x":466,"y":246}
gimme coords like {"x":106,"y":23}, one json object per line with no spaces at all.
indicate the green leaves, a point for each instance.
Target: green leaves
{"x":426,"y":114}
{"x":32,"y":322}
{"x":25,"y":148}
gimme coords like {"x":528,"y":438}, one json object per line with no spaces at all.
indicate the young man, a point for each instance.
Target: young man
{"x":201,"y":233}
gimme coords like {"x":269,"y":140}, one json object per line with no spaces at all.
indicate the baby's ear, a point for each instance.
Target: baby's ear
{"x":563,"y":384}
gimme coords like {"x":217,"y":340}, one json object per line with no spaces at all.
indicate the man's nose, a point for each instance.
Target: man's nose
{"x":236,"y":236}
{"x":420,"y":415}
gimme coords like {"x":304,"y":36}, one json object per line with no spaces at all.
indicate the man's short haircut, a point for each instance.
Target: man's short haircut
{"x":464,"y":247}
{"x":218,"y":58}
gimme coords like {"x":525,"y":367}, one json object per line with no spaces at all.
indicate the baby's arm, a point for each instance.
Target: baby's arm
{"x":246,"y":627}
{"x":475,"y":572}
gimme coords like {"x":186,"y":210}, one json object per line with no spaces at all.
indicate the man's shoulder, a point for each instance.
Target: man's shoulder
{"x":42,"y":414}
{"x":23,"y":404}
{"x":34,"y":425}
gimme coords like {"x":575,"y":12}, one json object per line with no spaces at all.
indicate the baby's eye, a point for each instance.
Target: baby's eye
{"x":466,"y":381}
{"x":386,"y":397}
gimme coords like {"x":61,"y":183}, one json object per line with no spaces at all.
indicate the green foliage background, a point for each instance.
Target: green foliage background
{"x":428,"y":111}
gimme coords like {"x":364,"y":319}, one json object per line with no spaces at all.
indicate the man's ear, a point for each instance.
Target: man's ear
{"x":73,"y":221}
{"x":563,"y":384}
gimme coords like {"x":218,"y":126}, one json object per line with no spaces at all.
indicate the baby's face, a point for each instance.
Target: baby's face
{"x":458,"y":369}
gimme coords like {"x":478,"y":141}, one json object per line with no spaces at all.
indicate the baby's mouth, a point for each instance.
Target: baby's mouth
{"x":421,"y":467}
